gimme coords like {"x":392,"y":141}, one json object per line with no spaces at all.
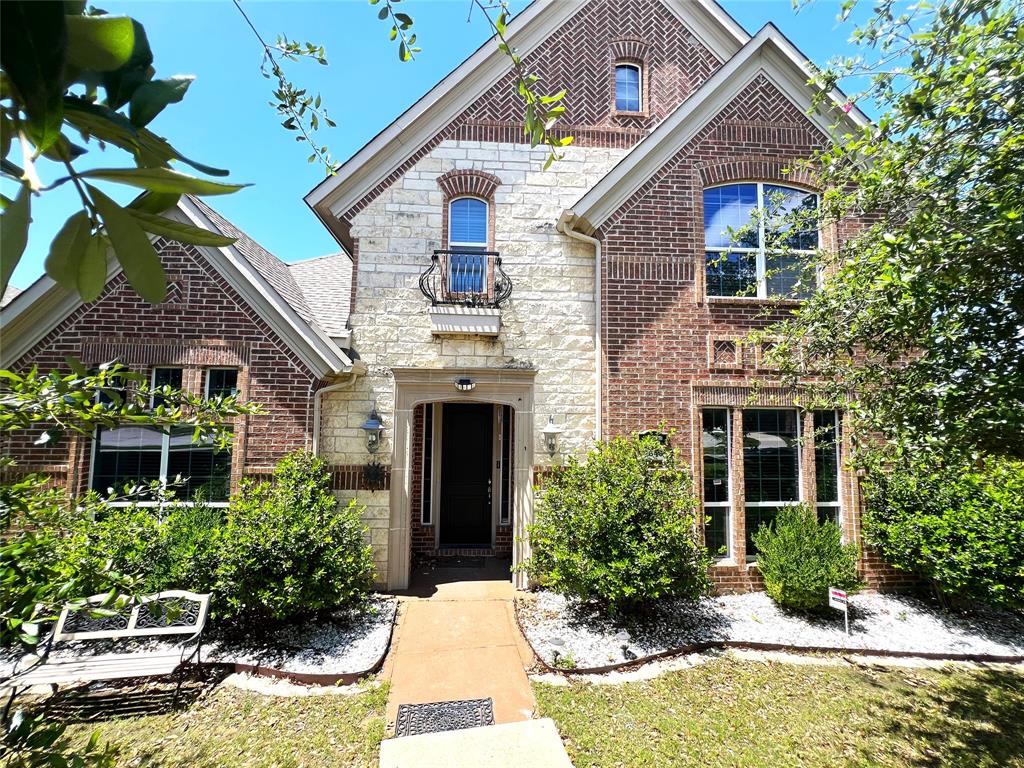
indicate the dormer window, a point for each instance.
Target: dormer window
{"x":628,"y":88}
{"x":467,"y":241}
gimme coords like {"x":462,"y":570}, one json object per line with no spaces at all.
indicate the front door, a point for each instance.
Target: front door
{"x":466,"y":447}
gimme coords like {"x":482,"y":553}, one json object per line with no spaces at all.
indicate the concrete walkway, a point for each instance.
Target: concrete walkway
{"x":457,"y":638}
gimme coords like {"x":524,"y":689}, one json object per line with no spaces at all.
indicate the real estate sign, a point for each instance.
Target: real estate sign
{"x":838,"y":599}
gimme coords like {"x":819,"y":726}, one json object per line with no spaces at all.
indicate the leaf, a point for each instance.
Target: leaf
{"x":100,"y":43}
{"x":67,"y":249}
{"x":33,"y":41}
{"x":150,"y":98}
{"x":178,"y":231}
{"x":14,"y":235}
{"x":154,"y":202}
{"x":138,"y":258}
{"x":121,"y":83}
{"x":162,"y":180}
{"x":92,"y":273}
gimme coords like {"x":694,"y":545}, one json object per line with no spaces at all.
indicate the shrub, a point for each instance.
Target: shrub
{"x":288,"y":548}
{"x":800,"y":558}
{"x":961,"y":527}
{"x":619,"y":527}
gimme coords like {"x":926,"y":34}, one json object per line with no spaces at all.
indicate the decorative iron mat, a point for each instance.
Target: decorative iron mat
{"x":437,"y":716}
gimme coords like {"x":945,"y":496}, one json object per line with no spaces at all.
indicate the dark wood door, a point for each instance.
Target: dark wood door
{"x":466,"y":447}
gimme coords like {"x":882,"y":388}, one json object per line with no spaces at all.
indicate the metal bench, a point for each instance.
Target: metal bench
{"x":170,"y":613}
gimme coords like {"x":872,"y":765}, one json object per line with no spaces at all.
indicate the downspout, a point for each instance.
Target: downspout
{"x":358,"y":369}
{"x":565,"y":227}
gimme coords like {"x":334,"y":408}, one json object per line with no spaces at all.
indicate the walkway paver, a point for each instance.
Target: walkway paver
{"x":457,"y":639}
{"x":531,"y":744}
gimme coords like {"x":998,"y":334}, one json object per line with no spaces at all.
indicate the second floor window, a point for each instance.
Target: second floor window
{"x":164,"y":377}
{"x":757,"y":240}
{"x":627,"y":88}
{"x":467,"y":241}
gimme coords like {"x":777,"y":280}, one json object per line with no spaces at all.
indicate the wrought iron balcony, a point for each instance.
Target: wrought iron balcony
{"x":466,"y":278}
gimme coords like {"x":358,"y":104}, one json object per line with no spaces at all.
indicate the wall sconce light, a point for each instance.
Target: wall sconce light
{"x":373,"y":427}
{"x":465,"y":384}
{"x":551,"y":432}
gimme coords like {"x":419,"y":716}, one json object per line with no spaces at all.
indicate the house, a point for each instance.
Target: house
{"x":495,"y":317}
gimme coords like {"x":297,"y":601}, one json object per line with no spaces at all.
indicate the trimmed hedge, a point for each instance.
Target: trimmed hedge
{"x":800,"y":558}
{"x":619,"y":527}
{"x":959,"y":526}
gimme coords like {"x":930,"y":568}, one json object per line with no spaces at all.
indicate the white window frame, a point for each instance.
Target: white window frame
{"x":639,"y":86}
{"x":837,"y":505}
{"x":801,"y":491}
{"x":726,"y":505}
{"x":760,"y":253}
{"x":454,"y":245}
{"x":152,"y":380}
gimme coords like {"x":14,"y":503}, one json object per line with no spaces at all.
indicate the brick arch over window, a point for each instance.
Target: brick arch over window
{"x":631,"y":51}
{"x":757,"y":168}
{"x":468,"y":183}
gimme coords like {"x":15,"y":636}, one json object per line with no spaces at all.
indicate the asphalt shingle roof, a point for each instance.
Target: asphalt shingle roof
{"x":326,"y":284}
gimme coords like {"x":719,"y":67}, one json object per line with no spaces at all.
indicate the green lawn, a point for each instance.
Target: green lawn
{"x":738,"y":713}
{"x":240,"y":729}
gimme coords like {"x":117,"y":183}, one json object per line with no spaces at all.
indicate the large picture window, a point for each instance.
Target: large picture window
{"x":755,"y":242}
{"x":467,"y":240}
{"x":771,"y":466}
{"x":715,"y":448}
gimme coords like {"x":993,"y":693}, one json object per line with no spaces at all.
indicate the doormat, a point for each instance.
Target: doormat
{"x":459,"y":562}
{"x":414,"y":719}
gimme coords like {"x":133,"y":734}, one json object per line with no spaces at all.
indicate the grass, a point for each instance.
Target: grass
{"x":230,"y":727}
{"x":740,"y":713}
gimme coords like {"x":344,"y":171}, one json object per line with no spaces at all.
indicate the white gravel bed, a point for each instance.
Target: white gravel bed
{"x":345,"y":642}
{"x":571,"y":634}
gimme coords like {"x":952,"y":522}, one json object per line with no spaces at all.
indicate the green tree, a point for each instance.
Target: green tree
{"x":918,"y":325}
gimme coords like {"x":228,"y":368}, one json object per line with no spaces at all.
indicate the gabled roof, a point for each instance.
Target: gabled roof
{"x":326,"y":284}
{"x":263,"y":281}
{"x":768,"y":53}
{"x":718,"y":31}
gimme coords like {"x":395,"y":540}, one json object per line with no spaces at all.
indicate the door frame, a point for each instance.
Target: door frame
{"x":413,"y":386}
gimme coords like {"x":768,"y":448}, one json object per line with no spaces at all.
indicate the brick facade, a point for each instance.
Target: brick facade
{"x":203,"y":323}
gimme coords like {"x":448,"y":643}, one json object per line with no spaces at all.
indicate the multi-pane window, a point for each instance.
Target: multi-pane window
{"x":627,"y":88}
{"x":467,"y":240}
{"x":164,"y":377}
{"x":715,"y":446}
{"x":427,"y":481}
{"x":826,"y":465}
{"x":771,"y":466}
{"x":757,"y":240}
{"x":221,"y":382}
{"x":507,"y":476}
{"x":140,"y":455}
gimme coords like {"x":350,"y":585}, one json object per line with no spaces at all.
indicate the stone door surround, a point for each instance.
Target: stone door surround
{"x":413,"y":386}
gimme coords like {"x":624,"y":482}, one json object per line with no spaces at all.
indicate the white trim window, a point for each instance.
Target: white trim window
{"x":139,"y":455}
{"x":751,"y":245}
{"x":628,"y":87}
{"x":468,"y":219}
{"x":771,"y":466}
{"x":827,"y":466}
{"x":221,"y":382}
{"x":716,"y":445}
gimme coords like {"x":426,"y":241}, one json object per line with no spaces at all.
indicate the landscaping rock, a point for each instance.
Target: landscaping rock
{"x":580,"y":635}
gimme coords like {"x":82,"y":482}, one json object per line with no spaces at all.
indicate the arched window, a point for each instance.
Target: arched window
{"x":757,"y":239}
{"x":467,"y":242}
{"x":627,"y":88}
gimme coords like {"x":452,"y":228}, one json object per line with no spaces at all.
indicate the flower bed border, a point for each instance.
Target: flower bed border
{"x":708,"y":645}
{"x":314,"y":678}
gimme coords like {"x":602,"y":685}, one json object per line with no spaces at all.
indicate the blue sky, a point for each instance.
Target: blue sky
{"x":225,"y":120}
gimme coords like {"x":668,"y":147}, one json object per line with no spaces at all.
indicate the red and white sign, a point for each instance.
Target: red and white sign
{"x":838,"y":599}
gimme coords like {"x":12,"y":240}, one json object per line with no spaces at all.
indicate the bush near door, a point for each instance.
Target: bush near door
{"x":619,"y":527}
{"x":800,"y":557}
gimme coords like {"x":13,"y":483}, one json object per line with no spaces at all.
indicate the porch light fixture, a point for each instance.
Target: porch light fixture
{"x":551,"y":433}
{"x":465,"y":384}
{"x":373,"y":427}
